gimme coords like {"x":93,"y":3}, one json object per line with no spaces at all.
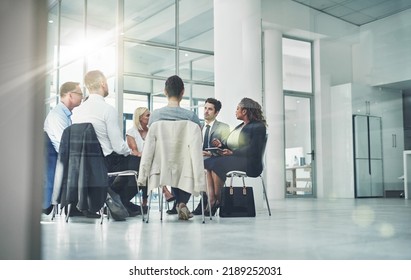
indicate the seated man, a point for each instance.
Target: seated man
{"x":56,"y":121}
{"x":212,"y":129}
{"x":104,"y":119}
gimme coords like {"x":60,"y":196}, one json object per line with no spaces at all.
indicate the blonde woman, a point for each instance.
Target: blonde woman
{"x":137,"y":134}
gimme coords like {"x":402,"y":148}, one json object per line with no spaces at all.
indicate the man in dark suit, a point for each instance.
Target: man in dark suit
{"x":212,"y":129}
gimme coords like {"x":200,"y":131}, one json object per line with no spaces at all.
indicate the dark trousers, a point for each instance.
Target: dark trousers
{"x":49,"y":171}
{"x":121,"y":184}
{"x":181,"y":196}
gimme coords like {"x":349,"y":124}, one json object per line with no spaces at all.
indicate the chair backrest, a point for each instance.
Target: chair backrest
{"x":263,"y":150}
{"x":81,"y":172}
{"x":173,"y":156}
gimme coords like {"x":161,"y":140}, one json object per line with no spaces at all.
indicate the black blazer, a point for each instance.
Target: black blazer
{"x":252,"y":143}
{"x":81,"y":172}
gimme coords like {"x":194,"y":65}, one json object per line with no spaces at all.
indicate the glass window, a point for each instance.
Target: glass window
{"x":71,"y":31}
{"x":149,"y":60}
{"x":72,"y":72}
{"x":196,"y":24}
{"x":101,"y":23}
{"x":297,"y":65}
{"x":133,"y":101}
{"x":52,"y":46}
{"x":196,"y":66}
{"x":103,"y":59}
{"x":151,"y":21}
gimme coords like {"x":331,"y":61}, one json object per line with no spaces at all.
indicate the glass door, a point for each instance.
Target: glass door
{"x":299,"y":151}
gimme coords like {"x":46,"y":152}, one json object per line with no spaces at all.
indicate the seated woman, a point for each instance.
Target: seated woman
{"x":135,"y":139}
{"x":241,"y":151}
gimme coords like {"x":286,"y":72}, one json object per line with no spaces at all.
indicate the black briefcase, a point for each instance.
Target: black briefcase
{"x":237,"y":202}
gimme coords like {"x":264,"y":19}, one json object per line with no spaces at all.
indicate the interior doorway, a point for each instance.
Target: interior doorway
{"x":299,"y":147}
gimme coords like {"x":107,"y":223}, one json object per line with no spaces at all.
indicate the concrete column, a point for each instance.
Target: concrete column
{"x":237,"y":54}
{"x":22,"y":81}
{"x":274,"y":110}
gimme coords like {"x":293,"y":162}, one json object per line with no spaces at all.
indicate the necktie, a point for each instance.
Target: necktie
{"x":205,"y":142}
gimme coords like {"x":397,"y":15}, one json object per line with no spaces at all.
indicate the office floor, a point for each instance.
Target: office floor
{"x":299,"y":229}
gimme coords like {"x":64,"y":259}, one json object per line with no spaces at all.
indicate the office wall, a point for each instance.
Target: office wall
{"x":383,"y":54}
{"x":23,"y":41}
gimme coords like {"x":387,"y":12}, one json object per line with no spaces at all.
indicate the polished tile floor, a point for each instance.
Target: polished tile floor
{"x":299,"y":229}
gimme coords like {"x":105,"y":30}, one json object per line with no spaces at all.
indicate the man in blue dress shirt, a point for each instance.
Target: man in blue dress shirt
{"x":56,"y":121}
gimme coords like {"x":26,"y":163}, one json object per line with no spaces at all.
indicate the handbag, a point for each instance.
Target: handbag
{"x":116,"y":207}
{"x":237,"y":202}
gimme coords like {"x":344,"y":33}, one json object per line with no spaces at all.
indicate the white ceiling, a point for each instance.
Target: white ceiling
{"x":358,"y":12}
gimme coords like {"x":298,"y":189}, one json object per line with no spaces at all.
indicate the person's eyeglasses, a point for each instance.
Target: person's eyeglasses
{"x":79,"y":93}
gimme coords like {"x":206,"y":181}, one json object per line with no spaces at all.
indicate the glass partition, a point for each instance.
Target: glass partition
{"x":297,"y":65}
{"x":151,"y":21}
{"x":192,"y":34}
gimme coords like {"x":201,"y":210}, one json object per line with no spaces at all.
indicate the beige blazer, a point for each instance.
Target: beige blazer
{"x":172,"y":156}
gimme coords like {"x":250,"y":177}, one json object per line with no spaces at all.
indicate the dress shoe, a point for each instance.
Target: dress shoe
{"x":172,"y":211}
{"x":132,"y":209}
{"x":214,"y":209}
{"x":91,"y":215}
{"x":183,"y":212}
{"x":74,"y":212}
{"x":48,"y":210}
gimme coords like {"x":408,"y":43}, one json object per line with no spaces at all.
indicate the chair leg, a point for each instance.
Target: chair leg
{"x":55,"y":210}
{"x":150,"y":195}
{"x":68,"y":212}
{"x":208,"y":194}
{"x":140,"y":195}
{"x":160,"y":198}
{"x":265,"y":195}
{"x":202,"y":206}
{"x":102,"y":215}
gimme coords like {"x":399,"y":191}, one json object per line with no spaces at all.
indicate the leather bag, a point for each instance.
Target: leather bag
{"x":116,"y":207}
{"x":237,"y":202}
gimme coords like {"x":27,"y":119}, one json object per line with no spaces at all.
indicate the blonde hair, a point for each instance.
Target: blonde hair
{"x":138,"y":112}
{"x":93,"y":80}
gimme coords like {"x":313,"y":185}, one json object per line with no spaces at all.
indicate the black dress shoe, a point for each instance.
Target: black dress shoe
{"x":91,"y":215}
{"x":172,"y":211}
{"x":74,"y":212}
{"x":133,"y":209}
{"x":214,"y":209}
{"x":48,"y":210}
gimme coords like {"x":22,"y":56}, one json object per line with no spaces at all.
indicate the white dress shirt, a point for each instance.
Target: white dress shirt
{"x":104,"y":119}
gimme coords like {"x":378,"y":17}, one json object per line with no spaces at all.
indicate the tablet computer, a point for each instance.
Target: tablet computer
{"x":214,"y":150}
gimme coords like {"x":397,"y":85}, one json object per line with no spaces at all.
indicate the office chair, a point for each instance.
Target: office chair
{"x":82,"y":177}
{"x":243,"y":175}
{"x":173,"y":156}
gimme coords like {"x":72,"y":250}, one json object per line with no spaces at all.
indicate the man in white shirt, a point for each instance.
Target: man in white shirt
{"x":104,"y":119}
{"x":56,"y":121}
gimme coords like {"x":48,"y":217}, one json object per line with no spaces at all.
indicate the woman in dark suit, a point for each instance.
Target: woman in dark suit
{"x":241,"y":151}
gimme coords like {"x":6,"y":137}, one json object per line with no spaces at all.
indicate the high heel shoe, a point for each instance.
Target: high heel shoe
{"x":214,"y":209}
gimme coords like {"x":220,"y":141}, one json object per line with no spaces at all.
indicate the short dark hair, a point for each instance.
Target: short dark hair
{"x":215,"y":102}
{"x":174,"y":86}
